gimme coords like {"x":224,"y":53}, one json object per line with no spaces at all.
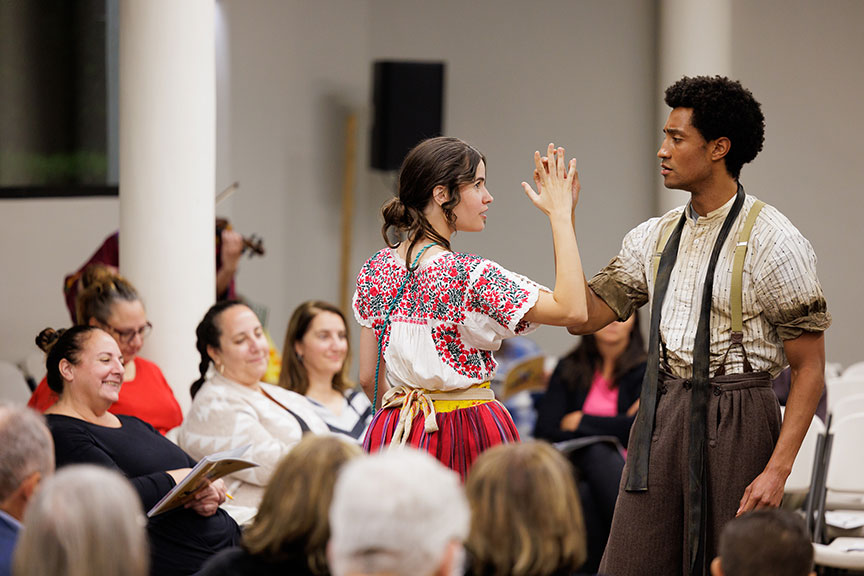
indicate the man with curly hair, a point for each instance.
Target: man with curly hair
{"x":734,"y":299}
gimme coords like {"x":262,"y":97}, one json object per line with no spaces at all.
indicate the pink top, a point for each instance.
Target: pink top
{"x":602,"y":399}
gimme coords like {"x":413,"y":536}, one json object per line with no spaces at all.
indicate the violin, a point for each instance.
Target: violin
{"x":253,"y":244}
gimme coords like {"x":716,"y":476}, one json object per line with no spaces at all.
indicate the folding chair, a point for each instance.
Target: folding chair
{"x":844,"y":472}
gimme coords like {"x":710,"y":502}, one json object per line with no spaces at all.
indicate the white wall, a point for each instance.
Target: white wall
{"x":581,"y":73}
{"x":803,"y":61}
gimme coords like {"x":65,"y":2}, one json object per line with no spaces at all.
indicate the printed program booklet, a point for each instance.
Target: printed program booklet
{"x":209,"y":468}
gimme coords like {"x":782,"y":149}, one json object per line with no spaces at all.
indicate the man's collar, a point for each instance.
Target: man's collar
{"x":714,"y":214}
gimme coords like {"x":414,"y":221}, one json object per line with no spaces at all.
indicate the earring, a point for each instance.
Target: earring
{"x":221,"y":369}
{"x":300,"y":358}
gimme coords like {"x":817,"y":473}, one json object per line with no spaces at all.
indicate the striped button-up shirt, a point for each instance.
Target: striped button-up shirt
{"x":781,"y":293}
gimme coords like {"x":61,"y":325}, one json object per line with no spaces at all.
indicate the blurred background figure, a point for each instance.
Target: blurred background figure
{"x":397,"y":513}
{"x":230,"y":246}
{"x":26,"y":460}
{"x":110,"y":302}
{"x":232,"y":407}
{"x":315,"y":365}
{"x":525,"y":513}
{"x":767,"y":542}
{"x":85,"y":521}
{"x":594,"y":391}
{"x":84,"y":367}
{"x":290,"y":533}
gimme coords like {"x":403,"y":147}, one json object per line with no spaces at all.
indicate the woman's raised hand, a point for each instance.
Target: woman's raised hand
{"x":557,"y":183}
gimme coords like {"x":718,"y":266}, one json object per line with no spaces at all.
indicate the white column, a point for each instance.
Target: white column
{"x":167,"y":165}
{"x":695,"y":40}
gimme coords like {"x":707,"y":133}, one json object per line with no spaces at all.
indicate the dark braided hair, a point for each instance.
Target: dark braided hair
{"x":208,"y":333}
{"x":722,"y":108}
{"x":442,"y":161}
{"x":60,"y":344}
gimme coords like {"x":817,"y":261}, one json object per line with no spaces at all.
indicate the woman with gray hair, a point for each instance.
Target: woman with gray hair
{"x":77,"y":525}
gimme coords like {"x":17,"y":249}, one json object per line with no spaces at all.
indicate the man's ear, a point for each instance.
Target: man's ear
{"x":716,"y":567}
{"x":29,"y":486}
{"x":720,"y":147}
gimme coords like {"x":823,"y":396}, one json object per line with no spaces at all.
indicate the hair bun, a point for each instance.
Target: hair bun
{"x":99,"y":278}
{"x":47,"y":338}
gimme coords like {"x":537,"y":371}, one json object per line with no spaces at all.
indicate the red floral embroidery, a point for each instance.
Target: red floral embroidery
{"x":441,"y":291}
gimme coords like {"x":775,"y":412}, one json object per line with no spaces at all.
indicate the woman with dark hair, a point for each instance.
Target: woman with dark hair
{"x":109,"y":301}
{"x":232,"y":407}
{"x":85,"y":367}
{"x":594,"y":391}
{"x":314,"y":365}
{"x":290,"y":533}
{"x":431,"y":317}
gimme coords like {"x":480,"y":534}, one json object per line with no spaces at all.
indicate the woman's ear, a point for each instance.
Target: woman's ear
{"x":66,"y":369}
{"x":440,"y":195}
{"x":214,"y":355}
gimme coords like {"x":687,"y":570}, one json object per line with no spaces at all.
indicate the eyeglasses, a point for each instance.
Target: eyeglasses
{"x":126,"y":336}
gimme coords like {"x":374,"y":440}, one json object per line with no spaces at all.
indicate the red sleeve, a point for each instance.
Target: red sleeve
{"x":149,"y":397}
{"x":43,"y":397}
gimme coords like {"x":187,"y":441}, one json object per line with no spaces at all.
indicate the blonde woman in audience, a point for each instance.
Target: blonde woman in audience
{"x":84,"y":521}
{"x":232,"y":407}
{"x":290,"y":533}
{"x":85,"y":364}
{"x":109,"y":301}
{"x":525,"y":514}
{"x":314,"y":364}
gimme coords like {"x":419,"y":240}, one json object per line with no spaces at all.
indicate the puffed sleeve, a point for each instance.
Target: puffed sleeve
{"x":495,"y":303}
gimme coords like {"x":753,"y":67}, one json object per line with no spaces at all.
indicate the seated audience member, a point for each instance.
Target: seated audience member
{"x":316,"y":347}
{"x":290,"y":533}
{"x":525,"y":513}
{"x":231,"y":407}
{"x":84,"y":366}
{"x":767,"y":542}
{"x":594,"y":391}
{"x":85,"y":521}
{"x":110,"y":302}
{"x":26,"y":459}
{"x":397,"y":513}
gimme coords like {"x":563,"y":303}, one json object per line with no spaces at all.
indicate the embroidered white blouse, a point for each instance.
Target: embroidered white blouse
{"x":454,"y":311}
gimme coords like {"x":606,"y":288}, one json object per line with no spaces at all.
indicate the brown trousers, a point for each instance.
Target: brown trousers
{"x":649,"y":529}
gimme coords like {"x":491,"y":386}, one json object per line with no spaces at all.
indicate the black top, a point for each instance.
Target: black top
{"x":180,"y":540}
{"x":238,"y":562}
{"x":564,"y":396}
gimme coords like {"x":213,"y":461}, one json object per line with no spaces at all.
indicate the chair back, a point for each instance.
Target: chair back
{"x":846,"y":466}
{"x":847,"y":406}
{"x":855,"y":370}
{"x":799,"y":479}
{"x":840,"y":388}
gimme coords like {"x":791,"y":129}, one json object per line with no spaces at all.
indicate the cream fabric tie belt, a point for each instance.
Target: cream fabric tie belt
{"x":415,"y":400}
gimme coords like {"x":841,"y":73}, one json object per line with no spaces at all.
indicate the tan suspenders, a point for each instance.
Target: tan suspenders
{"x":736,"y":295}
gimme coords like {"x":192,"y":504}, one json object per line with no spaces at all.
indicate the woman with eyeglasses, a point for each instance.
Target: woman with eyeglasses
{"x":110,"y":302}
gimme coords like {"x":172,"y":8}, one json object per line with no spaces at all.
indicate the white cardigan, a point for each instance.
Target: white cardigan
{"x":225,"y":415}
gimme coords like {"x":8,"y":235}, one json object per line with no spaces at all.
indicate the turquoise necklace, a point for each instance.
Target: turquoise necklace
{"x":408,"y":275}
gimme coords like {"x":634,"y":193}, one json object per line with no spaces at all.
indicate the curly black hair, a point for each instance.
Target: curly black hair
{"x":722,"y":107}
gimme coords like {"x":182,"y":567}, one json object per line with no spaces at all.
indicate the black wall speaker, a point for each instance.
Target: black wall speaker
{"x":408,"y":100}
